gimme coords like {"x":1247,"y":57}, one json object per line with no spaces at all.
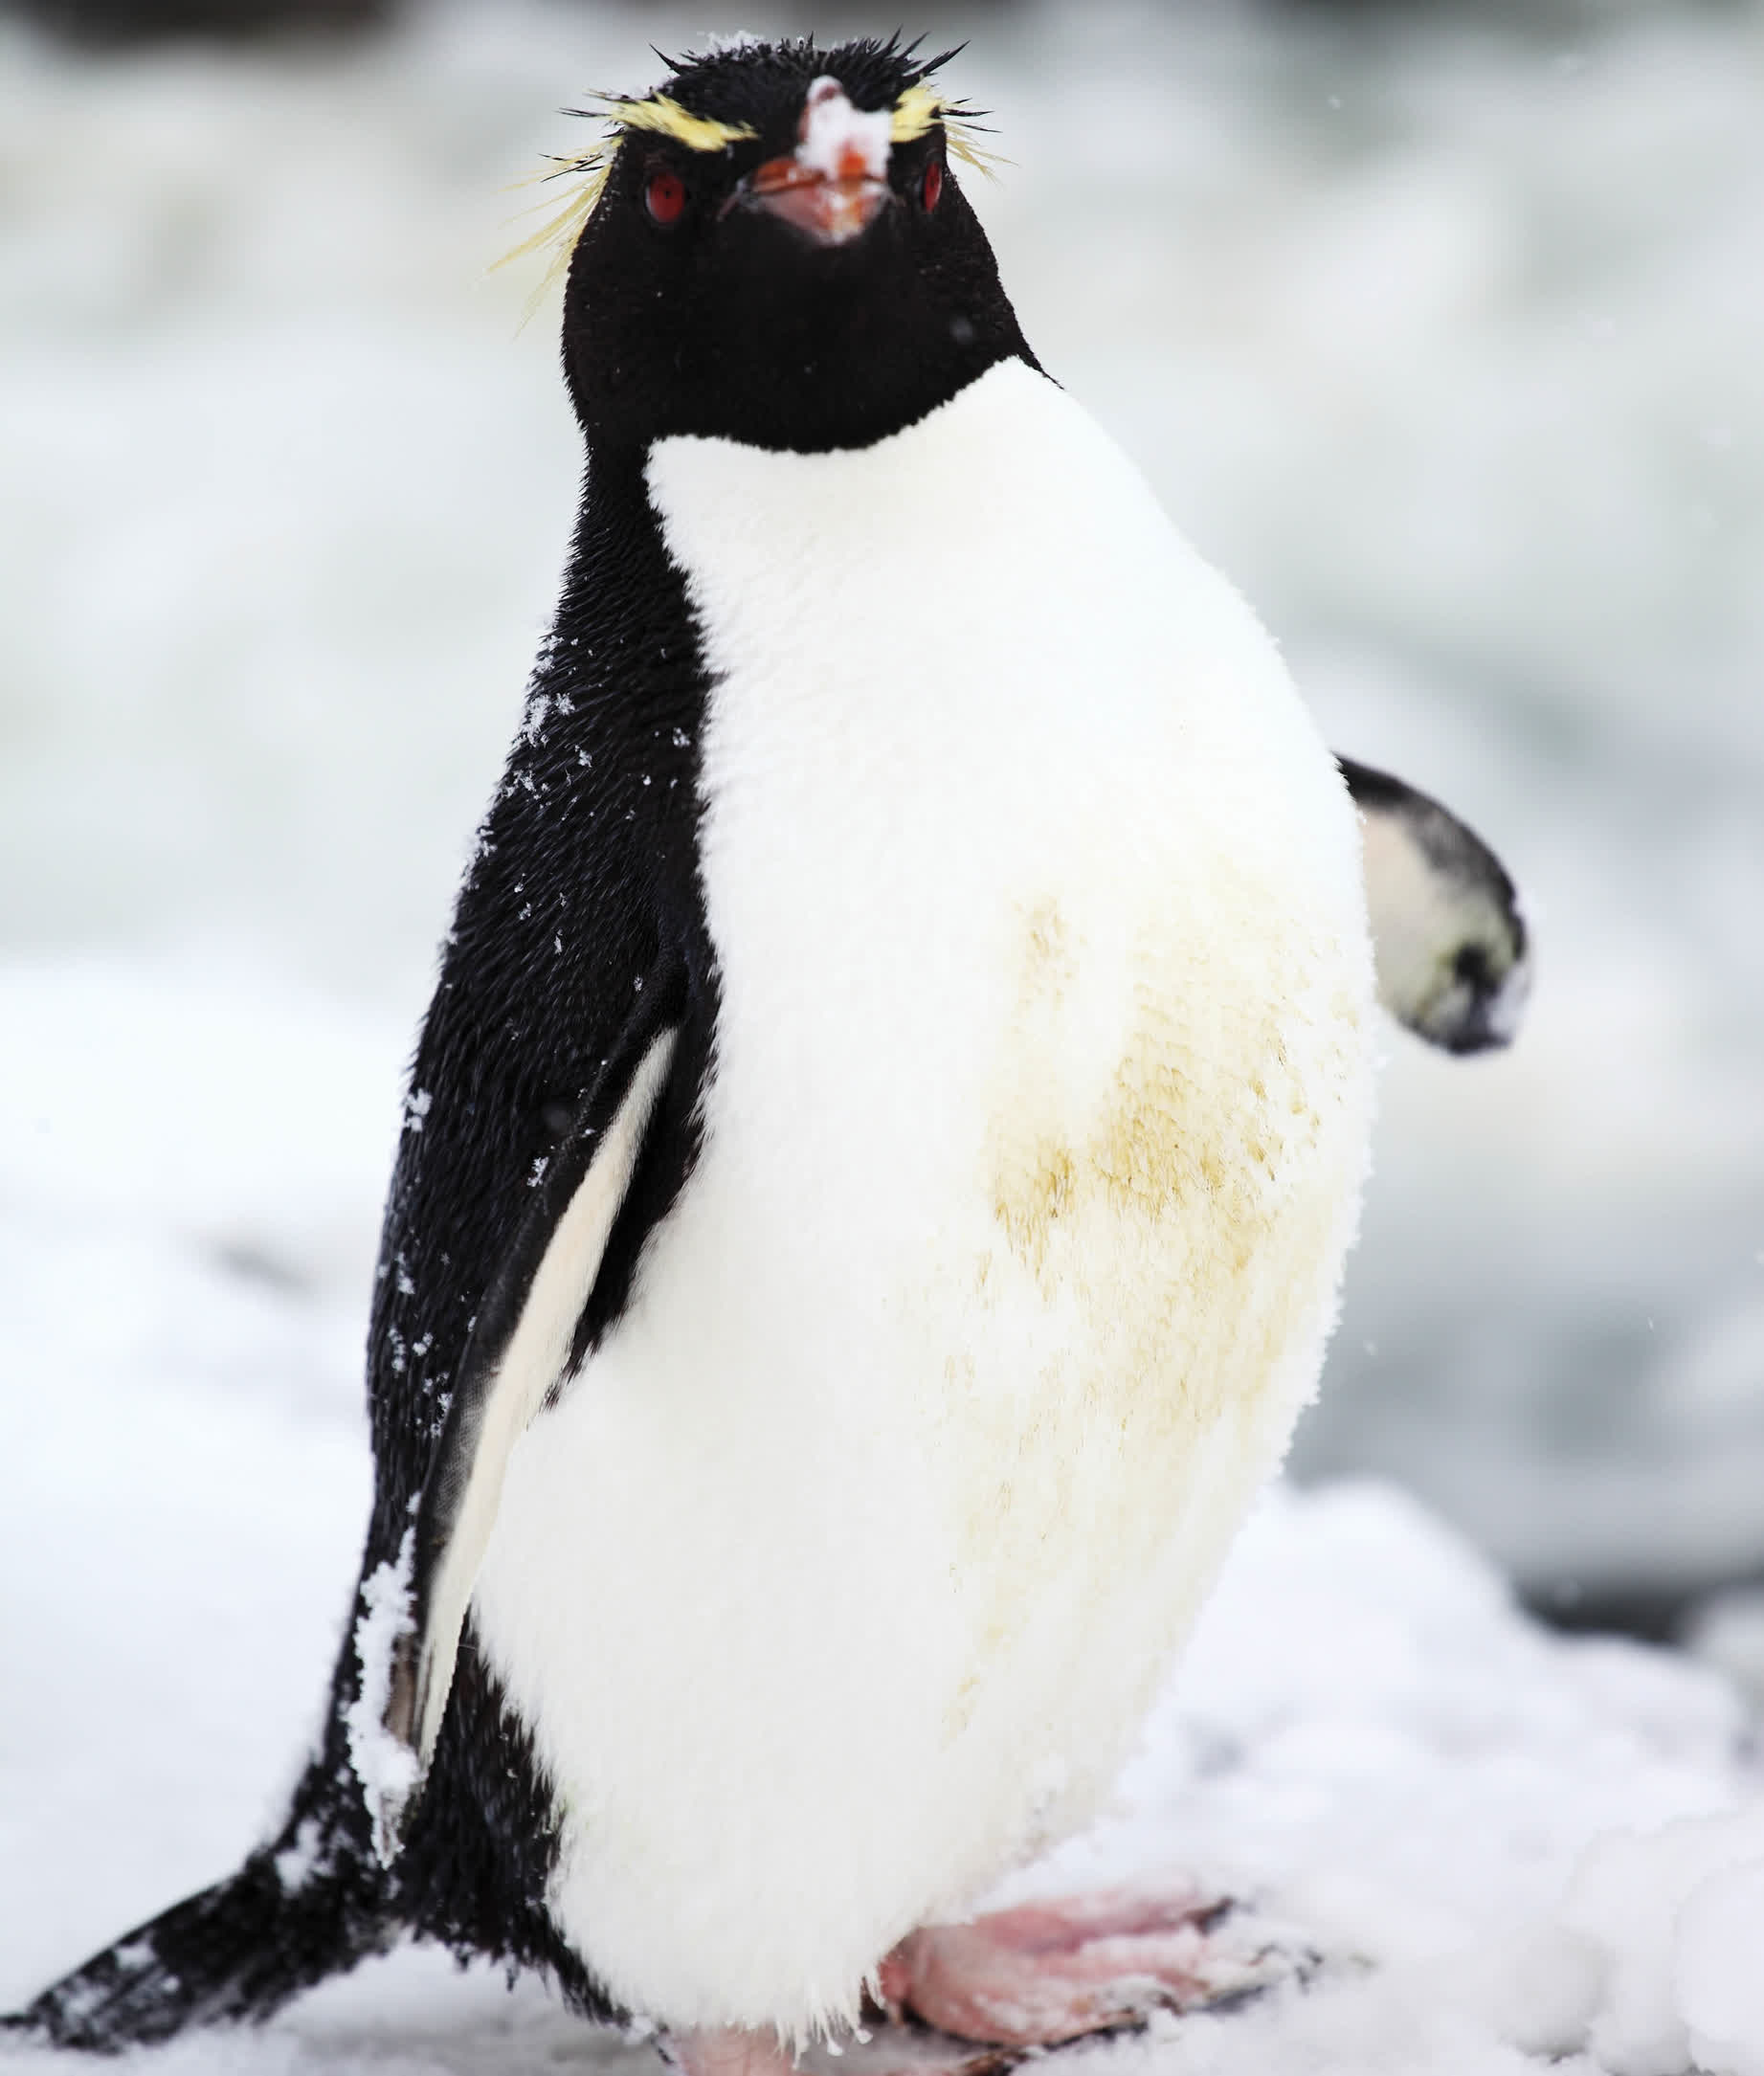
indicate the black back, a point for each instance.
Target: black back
{"x":581,"y":916}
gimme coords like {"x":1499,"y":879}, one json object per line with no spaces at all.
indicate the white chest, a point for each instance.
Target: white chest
{"x":1031,"y":1153}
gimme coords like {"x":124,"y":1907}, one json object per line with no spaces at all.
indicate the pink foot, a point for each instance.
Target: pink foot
{"x":972,"y":1999}
{"x":1052,"y":1972}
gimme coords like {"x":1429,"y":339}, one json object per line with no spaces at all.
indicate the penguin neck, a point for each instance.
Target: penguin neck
{"x":620,"y":591}
{"x":607,"y":758}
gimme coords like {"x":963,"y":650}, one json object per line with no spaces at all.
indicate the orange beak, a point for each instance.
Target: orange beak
{"x":835,"y":184}
{"x":829,"y":208}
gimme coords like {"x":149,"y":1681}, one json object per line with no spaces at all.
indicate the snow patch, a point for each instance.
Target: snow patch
{"x":1729,"y":1634}
{"x":1677,"y":1913}
{"x":1719,"y":1971}
{"x":840,"y":141}
{"x":297,"y":1863}
{"x":384,"y":1765}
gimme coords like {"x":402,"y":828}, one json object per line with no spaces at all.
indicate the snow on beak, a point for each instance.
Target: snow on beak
{"x":835,"y":184}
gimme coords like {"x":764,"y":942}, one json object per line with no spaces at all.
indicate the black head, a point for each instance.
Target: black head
{"x":781,"y":255}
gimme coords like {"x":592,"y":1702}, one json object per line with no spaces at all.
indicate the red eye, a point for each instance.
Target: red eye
{"x":664,"y":197}
{"x":930,"y":185}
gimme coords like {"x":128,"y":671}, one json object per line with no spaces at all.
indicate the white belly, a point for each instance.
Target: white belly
{"x":846,"y":1571}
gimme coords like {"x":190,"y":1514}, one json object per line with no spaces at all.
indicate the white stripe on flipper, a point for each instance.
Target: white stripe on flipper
{"x":535,"y":1358}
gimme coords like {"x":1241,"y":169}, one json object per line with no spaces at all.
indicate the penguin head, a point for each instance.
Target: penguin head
{"x":778,"y":253}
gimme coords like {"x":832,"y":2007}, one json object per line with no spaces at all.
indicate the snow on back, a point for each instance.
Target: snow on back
{"x":384,"y":1765}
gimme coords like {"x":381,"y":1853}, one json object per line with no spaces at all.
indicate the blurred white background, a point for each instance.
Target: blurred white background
{"x":1442,"y":330}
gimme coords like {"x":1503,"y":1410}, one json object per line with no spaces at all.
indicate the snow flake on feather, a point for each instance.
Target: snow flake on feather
{"x":384,"y":1765}
{"x":138,"y":1971}
{"x":416,"y":1106}
{"x":296,"y":1864}
{"x":840,"y":141}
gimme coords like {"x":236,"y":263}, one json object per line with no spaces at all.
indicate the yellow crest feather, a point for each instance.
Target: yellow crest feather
{"x":915,"y":112}
{"x":922,"y":107}
{"x":560,"y":229}
{"x":983,"y":160}
{"x":666,"y":118}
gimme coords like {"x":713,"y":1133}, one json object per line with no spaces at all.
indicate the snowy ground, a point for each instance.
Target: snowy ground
{"x":1449,"y":347}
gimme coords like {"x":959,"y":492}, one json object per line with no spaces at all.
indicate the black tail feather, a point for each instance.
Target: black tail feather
{"x":316,"y":1900}
{"x":235,"y":1953}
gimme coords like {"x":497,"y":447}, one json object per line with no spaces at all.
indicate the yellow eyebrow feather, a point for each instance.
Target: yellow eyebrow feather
{"x":560,"y":229}
{"x":917,"y":111}
{"x":664,"y":117}
{"x":921,"y":108}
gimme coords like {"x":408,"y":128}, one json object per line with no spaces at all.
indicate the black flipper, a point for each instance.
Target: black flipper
{"x":1453,"y":953}
{"x":530,"y":1335}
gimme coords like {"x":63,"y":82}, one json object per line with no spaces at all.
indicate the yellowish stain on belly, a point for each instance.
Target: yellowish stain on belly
{"x":1168,"y":1220}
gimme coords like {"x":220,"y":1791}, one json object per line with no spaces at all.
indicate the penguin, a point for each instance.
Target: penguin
{"x":875,"y":1170}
